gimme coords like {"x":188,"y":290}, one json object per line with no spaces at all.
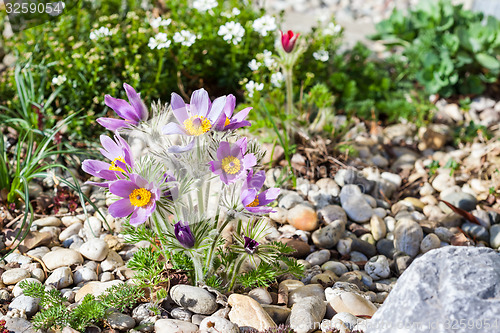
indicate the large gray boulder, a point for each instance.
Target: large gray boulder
{"x":451,"y":289}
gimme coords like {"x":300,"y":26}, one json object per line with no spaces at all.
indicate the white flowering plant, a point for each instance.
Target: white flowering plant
{"x":179,"y":46}
{"x":196,"y":192}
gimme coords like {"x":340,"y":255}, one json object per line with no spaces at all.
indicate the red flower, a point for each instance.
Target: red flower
{"x":288,"y":40}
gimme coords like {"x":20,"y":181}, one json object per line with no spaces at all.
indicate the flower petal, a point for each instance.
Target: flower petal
{"x":93,"y":167}
{"x":200,"y":102}
{"x":179,"y":108}
{"x":224,"y":150}
{"x":122,"y":187}
{"x":122,"y":108}
{"x":173,"y":128}
{"x":111,"y":149}
{"x":112,"y":124}
{"x":182,"y":149}
{"x":140,"y":216}
{"x":268,"y":196}
{"x":249,"y":161}
{"x":216,"y":109}
{"x":257,"y":180}
{"x":136,"y":102}
{"x":248,"y":196}
{"x":121,"y":208}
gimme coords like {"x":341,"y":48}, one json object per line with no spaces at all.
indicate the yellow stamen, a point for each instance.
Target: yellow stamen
{"x":197,"y":125}
{"x":227,"y":122}
{"x":254,"y":203}
{"x":140,"y":197}
{"x":231,"y":165}
{"x":114,"y":167}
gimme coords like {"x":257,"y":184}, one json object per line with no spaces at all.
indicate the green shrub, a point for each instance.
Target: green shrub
{"x":449,"y":50}
{"x":119,"y":51}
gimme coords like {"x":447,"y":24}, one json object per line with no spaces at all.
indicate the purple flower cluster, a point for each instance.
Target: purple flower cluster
{"x":139,"y":196}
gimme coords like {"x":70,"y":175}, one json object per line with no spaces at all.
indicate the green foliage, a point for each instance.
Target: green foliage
{"x":449,"y":50}
{"x":88,"y":67}
{"x":55,"y":313}
{"x":471,"y":132}
{"x":452,"y":165}
{"x":433,"y":166}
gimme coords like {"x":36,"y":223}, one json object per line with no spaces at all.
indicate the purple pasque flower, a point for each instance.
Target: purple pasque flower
{"x":132,"y":113}
{"x":251,"y":245}
{"x":184,"y":234}
{"x":227,"y":121}
{"x":139,"y":198}
{"x":195,"y":118}
{"x":118,"y":152}
{"x":232,"y":161}
{"x":252,"y":200}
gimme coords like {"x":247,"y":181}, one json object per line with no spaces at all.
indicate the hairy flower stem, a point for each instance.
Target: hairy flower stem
{"x":289,"y":90}
{"x":210,"y":260}
{"x":198,"y":268}
{"x":234,"y":272}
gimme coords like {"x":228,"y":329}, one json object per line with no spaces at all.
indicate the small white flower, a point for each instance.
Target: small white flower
{"x":101,"y":32}
{"x":277,"y":79}
{"x":321,"y":55}
{"x":185,"y":37}
{"x":254,"y":65}
{"x":159,"y":22}
{"x":264,"y":24}
{"x":332,"y":29}
{"x":269,"y":61}
{"x":204,"y":5}
{"x":159,"y":41}
{"x":232,"y":32}
{"x":234,"y":12}
{"x":252,"y":87}
{"x":58,"y":80}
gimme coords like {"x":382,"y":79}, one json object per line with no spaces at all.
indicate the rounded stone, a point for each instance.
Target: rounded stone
{"x":430,"y":242}
{"x":303,"y":217}
{"x":113,"y":261}
{"x":73,"y":229}
{"x":60,"y":278}
{"x":217,"y":324}
{"x":354,"y":204}
{"x":95,"y":249}
{"x":328,"y":236}
{"x":461,"y":200}
{"x":495,"y":236}
{"x":14,"y":275}
{"x":326,"y":279}
{"x":84,"y":274}
{"x":407,"y":237}
{"x":442,"y":182}
{"x":318,"y":257}
{"x":352,"y":303}
{"x":50,"y":221}
{"x":378,"y":227}
{"x":195,"y":299}
{"x":332,"y":213}
{"x":174,"y":326}
{"x":25,"y":303}
{"x":245,"y":311}
{"x":181,"y":314}
{"x":378,"y":267}
{"x":120,"y":321}
{"x":62,"y":257}
{"x":261,"y":295}
{"x":301,"y":293}
{"x":336,"y":267}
